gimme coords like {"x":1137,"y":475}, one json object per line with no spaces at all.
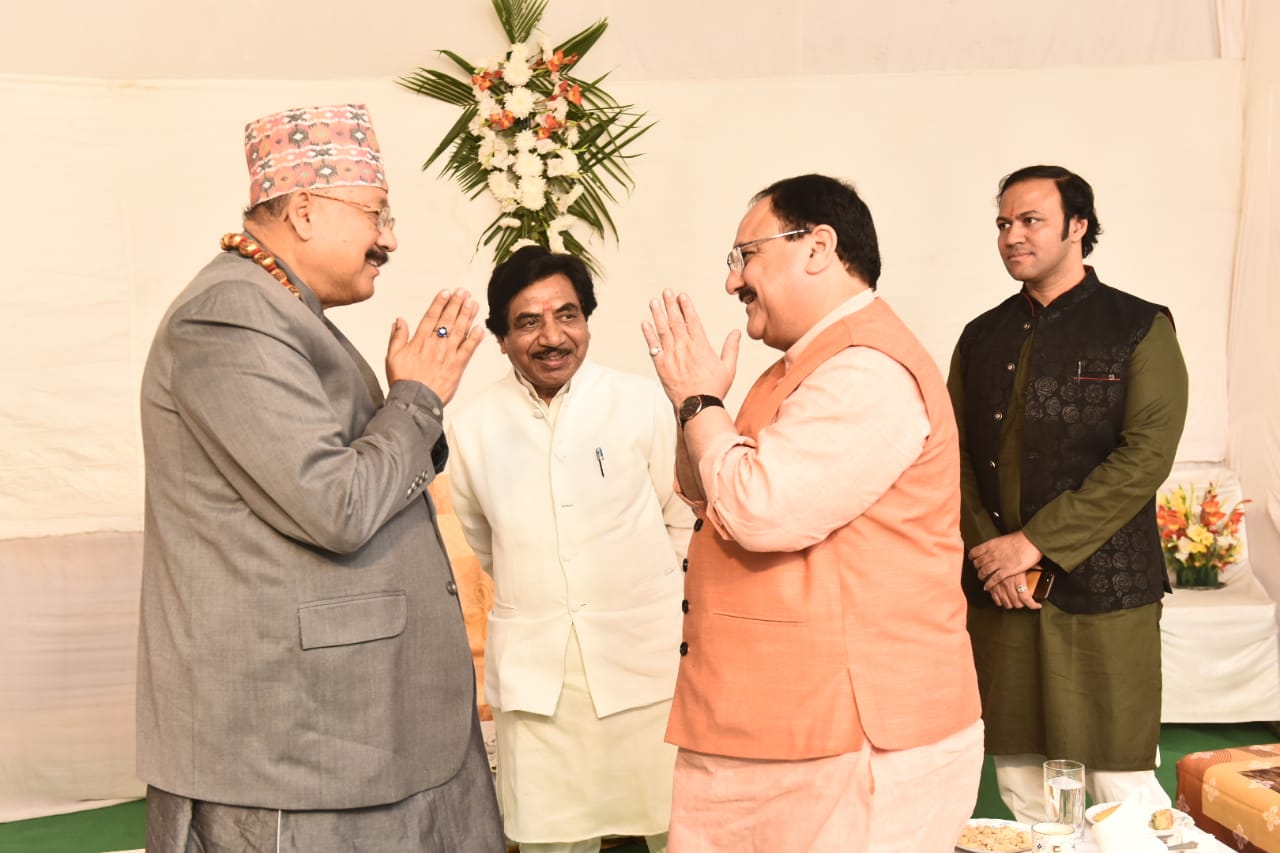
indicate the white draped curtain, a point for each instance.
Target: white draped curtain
{"x":1253,"y":378}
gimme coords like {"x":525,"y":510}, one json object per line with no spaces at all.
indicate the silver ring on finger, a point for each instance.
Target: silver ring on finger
{"x":1020,"y":588}
{"x":654,"y":352}
{"x":442,"y":332}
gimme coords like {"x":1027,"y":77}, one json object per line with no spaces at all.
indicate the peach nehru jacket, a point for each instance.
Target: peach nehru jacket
{"x":823,"y":602}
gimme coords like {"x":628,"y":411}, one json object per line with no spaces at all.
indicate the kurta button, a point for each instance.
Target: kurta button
{"x":995,"y":515}
{"x":992,"y":463}
{"x":684,"y":606}
{"x":697,"y":525}
{"x":684,"y":649}
{"x":451,"y":588}
{"x":1010,"y":367}
{"x":684,"y":567}
{"x":999,"y":416}
{"x":1026,"y":325}
{"x":435,"y":410}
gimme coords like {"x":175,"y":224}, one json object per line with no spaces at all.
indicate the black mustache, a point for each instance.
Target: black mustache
{"x":550,"y":351}
{"x":745,"y":292}
{"x":378,"y":256}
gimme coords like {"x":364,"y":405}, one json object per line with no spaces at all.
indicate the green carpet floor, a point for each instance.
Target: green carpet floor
{"x":121,"y":827}
{"x":1175,"y":742}
{"x":113,"y":828}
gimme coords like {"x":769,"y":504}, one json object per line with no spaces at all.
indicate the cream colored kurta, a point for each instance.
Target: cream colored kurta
{"x":571,"y":508}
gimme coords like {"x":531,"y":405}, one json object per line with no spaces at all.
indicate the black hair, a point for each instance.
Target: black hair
{"x":1076,"y":194}
{"x":807,"y":201}
{"x":526,"y":266}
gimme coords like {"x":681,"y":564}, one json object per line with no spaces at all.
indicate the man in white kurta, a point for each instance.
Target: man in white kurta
{"x":562,"y":478}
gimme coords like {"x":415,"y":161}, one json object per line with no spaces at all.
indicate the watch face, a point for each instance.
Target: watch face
{"x":692,"y":405}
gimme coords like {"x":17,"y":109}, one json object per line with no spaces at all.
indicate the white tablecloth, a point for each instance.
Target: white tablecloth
{"x":1221,"y":663}
{"x":1206,"y":843}
{"x":68,"y":653}
{"x":1221,"y":660}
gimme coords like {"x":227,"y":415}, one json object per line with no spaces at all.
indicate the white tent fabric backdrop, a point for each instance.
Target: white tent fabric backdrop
{"x":118,"y":191}
{"x":145,"y":179}
{"x":655,"y":40}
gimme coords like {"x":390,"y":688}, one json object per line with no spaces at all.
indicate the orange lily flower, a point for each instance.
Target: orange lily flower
{"x":549,"y":125}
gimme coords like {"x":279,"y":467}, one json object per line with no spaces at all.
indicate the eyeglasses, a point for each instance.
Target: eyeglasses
{"x":381,"y":215}
{"x":737,"y":262}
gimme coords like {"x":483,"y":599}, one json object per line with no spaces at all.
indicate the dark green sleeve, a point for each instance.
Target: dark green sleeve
{"x":1075,"y":524}
{"x":976,"y":525}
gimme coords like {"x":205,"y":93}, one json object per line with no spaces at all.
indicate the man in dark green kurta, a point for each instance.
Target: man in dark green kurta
{"x":1071,"y":397}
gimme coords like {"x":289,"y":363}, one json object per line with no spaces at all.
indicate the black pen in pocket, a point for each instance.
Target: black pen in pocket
{"x":600,"y":459}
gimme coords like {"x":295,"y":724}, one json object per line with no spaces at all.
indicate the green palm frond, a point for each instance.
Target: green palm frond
{"x":438,"y":85}
{"x":593,"y":200}
{"x":519,"y":17}
{"x":487,"y":152}
{"x":585,"y":40}
{"x":451,"y":138}
{"x":467,"y":67}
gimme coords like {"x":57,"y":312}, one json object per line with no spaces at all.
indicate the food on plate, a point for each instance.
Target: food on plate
{"x":994,"y":838}
{"x":1162,"y":820}
{"x":1105,"y":813}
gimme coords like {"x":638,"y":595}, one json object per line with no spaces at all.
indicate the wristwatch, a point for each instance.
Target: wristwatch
{"x":692,"y":405}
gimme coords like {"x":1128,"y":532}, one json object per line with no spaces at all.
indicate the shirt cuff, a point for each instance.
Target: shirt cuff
{"x":424,"y":408}
{"x":698,"y":506}
{"x":416,"y":399}
{"x":709,"y":468}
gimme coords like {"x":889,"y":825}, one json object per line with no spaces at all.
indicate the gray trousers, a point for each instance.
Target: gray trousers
{"x":460,"y":816}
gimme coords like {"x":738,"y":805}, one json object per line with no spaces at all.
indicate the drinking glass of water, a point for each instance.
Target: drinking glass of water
{"x":1064,"y":793}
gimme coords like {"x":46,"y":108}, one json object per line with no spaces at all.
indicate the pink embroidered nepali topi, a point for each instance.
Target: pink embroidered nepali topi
{"x":307,"y":147}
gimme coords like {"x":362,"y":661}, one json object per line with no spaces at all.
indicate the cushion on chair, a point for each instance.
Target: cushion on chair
{"x":475,"y":587}
{"x":1235,"y":795}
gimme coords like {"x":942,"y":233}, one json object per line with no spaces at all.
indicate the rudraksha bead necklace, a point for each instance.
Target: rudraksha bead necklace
{"x":255,"y":253}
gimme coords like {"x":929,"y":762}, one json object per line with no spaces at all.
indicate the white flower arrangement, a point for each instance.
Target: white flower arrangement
{"x":547,"y":146}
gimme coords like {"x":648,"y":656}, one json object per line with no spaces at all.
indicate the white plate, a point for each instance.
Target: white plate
{"x":1091,"y":813}
{"x":1180,"y":819}
{"x":984,"y":821}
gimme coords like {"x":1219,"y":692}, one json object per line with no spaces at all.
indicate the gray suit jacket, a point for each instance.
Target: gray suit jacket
{"x":301,"y":643}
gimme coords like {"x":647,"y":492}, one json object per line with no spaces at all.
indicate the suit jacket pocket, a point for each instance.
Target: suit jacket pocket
{"x":354,"y":619}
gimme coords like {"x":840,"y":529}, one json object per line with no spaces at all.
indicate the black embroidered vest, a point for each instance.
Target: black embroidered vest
{"x":1077,"y":376}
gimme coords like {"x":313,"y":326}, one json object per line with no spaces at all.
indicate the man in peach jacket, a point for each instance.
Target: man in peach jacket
{"x":826,"y":698}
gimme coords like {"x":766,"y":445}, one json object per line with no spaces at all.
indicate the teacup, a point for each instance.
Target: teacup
{"x":1053,"y":838}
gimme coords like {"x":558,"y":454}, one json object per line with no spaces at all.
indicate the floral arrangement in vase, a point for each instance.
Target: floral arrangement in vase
{"x":548,"y":146}
{"x":1200,"y":538}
